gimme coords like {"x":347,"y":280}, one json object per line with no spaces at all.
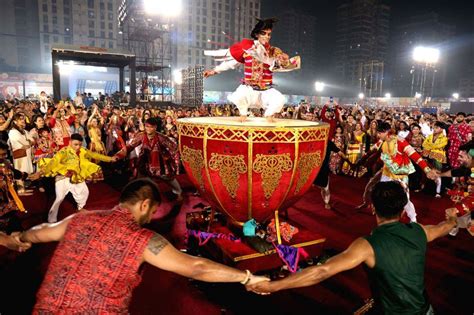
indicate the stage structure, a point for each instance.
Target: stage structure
{"x":149,"y":38}
{"x":193,"y":86}
{"x":93,"y":56}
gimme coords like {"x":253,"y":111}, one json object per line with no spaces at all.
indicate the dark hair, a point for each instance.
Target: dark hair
{"x":461,"y":113}
{"x":41,"y":130}
{"x":76,"y":136}
{"x":440,"y":124}
{"x":35,"y":117}
{"x":383,"y":127}
{"x":467,"y":146}
{"x":415,"y":125}
{"x":266,"y":24}
{"x":389,"y":199}
{"x":151,"y":121}
{"x":139,"y":190}
{"x":4,"y":145}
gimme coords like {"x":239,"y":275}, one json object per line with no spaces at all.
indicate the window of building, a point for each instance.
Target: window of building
{"x":213,"y":5}
{"x":45,"y":28}
{"x":102,"y":15}
{"x":55,"y":39}
{"x":45,"y":7}
{"x":110,"y":7}
{"x":111,"y":16}
{"x":66,"y":11}
{"x":55,"y":20}
{"x":92,"y":43}
{"x":102,"y":6}
{"x":45,"y":18}
{"x":111,"y":35}
{"x":67,"y":40}
{"x":91,"y":33}
{"x":111,"y":44}
{"x":102,"y":25}
{"x":91,"y":24}
{"x":91,"y":14}
{"x":54,"y":9}
{"x":46,"y":39}
{"x":111,"y":26}
{"x":102,"y":34}
{"x":90,"y":4}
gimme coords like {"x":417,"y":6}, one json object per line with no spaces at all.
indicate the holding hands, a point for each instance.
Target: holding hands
{"x":13,"y":242}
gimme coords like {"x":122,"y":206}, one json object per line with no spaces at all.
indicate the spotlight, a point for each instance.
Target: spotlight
{"x":169,"y":8}
{"x":319,"y":86}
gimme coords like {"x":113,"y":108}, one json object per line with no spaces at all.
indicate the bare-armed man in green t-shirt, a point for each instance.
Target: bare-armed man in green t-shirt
{"x":394,"y":253}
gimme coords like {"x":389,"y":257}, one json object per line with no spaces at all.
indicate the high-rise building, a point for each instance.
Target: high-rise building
{"x":294,"y":33}
{"x":211,"y":24}
{"x":408,"y":77}
{"x":79,"y":23}
{"x":19,"y":36}
{"x":362,"y":32}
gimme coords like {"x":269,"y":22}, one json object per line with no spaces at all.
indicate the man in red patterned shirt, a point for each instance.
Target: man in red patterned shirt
{"x":260,"y":60}
{"x":96,"y":264}
{"x":459,"y":133}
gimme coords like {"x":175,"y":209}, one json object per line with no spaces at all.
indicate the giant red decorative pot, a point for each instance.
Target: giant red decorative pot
{"x":250,"y":169}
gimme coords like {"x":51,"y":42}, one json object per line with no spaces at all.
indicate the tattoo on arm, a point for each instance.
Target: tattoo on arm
{"x":157,"y":243}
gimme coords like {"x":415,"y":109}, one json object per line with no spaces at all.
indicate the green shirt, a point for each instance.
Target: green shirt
{"x":397,"y":280}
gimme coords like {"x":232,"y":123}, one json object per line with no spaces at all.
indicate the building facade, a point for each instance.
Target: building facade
{"x":362,"y":34}
{"x":295,"y":34}
{"x":19,"y":36}
{"x":78,"y":22}
{"x":211,"y":24}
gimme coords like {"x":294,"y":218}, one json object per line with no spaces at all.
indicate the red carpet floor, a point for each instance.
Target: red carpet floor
{"x":449,"y":271}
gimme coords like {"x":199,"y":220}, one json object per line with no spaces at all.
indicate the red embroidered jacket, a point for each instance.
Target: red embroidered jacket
{"x":95,"y":267}
{"x":158,"y":156}
{"x":256,"y":73}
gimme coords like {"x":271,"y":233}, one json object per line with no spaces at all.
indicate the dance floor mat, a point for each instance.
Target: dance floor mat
{"x":449,"y":269}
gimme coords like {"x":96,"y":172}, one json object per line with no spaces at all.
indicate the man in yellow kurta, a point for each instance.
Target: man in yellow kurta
{"x":71,"y":167}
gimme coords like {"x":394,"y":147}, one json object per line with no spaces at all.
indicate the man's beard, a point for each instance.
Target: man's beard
{"x":459,"y":120}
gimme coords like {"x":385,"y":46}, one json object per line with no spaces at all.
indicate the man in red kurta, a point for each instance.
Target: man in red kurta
{"x":159,"y":155}
{"x":96,"y":265}
{"x":459,"y":133}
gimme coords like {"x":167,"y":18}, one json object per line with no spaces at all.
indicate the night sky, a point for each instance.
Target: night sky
{"x":455,"y":12}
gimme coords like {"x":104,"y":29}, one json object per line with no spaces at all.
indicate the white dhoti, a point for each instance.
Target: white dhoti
{"x":79,"y":191}
{"x":245,"y":97}
{"x":409,"y":207}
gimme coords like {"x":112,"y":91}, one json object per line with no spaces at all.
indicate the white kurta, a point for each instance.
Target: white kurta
{"x":17,"y":141}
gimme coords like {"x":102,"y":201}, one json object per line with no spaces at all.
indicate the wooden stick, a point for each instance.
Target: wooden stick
{"x":277,"y":226}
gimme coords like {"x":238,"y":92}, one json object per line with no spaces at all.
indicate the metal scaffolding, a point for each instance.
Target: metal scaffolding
{"x":370,"y":75}
{"x":149,"y":38}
